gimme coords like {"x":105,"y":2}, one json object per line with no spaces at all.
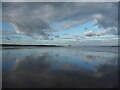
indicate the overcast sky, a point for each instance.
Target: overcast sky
{"x":63,"y":23}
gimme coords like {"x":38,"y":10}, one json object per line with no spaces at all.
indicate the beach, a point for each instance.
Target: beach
{"x":60,"y":67}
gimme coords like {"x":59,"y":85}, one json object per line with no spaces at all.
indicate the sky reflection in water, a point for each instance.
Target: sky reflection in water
{"x":58,"y":67}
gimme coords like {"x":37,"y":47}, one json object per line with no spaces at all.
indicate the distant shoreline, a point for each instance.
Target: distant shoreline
{"x":15,"y":45}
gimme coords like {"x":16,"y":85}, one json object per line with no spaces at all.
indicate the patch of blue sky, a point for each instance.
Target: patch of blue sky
{"x":7,"y":26}
{"x":0,"y":24}
{"x":77,"y":30}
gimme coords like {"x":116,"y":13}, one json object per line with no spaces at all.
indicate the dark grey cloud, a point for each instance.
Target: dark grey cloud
{"x":34,"y":19}
{"x":76,"y":36}
{"x":26,"y":19}
{"x":105,"y":14}
{"x":86,"y":28}
{"x":57,"y":36}
{"x":0,"y":11}
{"x":65,"y":34}
{"x":66,"y":38}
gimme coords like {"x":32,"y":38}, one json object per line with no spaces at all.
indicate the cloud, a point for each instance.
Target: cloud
{"x":103,"y":32}
{"x":34,"y":19}
{"x":26,"y":19}
{"x":66,"y":38}
{"x":86,"y":28}
{"x":71,"y":23}
{"x":65,"y":34}
{"x":57,"y":36}
{"x":0,"y":11}
{"x":94,"y":42}
{"x":104,"y":16}
{"x":90,"y":33}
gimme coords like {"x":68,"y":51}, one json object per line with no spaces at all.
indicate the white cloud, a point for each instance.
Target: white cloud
{"x":103,"y":32}
{"x":90,"y":33}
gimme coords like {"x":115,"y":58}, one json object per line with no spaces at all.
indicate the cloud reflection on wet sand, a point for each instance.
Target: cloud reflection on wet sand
{"x":58,"y":67}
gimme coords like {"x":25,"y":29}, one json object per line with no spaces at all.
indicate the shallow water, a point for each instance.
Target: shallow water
{"x":60,"y":67}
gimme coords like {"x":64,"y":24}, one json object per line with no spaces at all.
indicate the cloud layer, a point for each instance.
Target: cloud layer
{"x":35,"y":19}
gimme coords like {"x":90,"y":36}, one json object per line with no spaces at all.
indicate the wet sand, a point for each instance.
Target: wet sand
{"x":60,"y":67}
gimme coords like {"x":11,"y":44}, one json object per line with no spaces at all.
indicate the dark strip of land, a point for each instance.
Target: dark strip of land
{"x":20,"y":45}
{"x":15,"y":45}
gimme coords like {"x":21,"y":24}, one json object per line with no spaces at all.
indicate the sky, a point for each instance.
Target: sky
{"x":60,"y":23}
